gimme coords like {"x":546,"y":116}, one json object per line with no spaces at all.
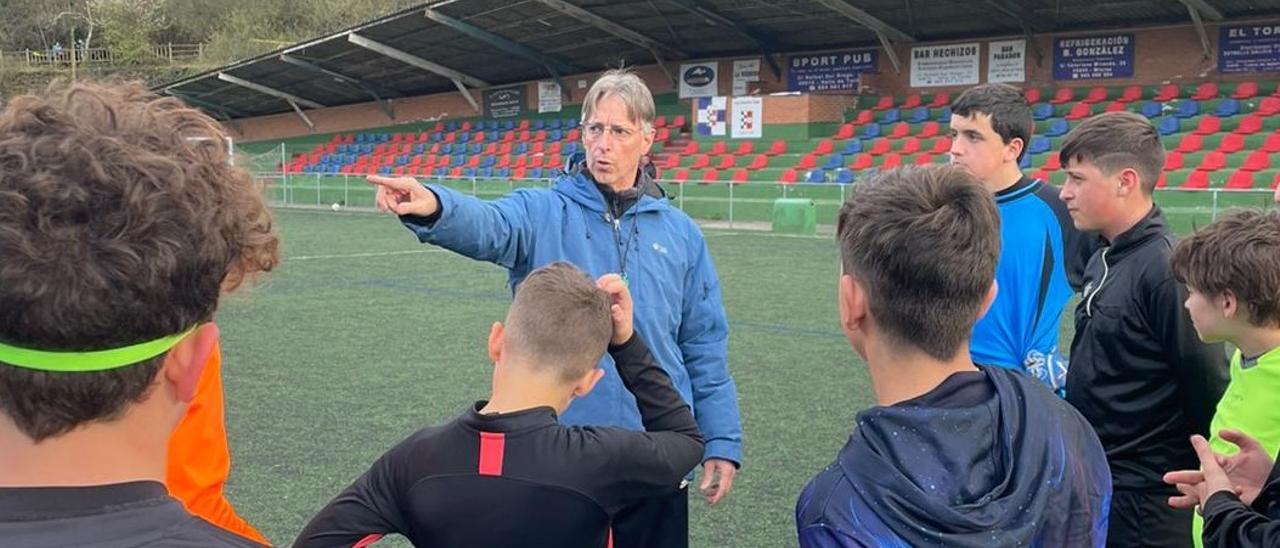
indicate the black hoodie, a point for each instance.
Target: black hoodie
{"x":1138,"y":371}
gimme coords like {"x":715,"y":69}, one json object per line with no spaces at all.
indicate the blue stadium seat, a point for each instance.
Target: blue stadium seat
{"x":488,"y":161}
{"x":1187,"y":108}
{"x":844,"y":177}
{"x":870,"y":131}
{"x":571,"y":148}
{"x":1169,"y":125}
{"x":451,"y":125}
{"x":1057,"y":127}
{"x":555,"y":135}
{"x":1152,"y":109}
{"x":852,"y":146}
{"x":508,"y":125}
{"x":446,"y":148}
{"x":492,"y":136}
{"x":890,"y":116}
{"x":464,"y":136}
{"x":385,"y":138}
{"x":386,"y":170}
{"x":816,"y":176}
{"x":502,"y":172}
{"x":1025,"y":163}
{"x":570,"y":123}
{"x":553,"y":123}
{"x":538,"y":124}
{"x":1038,"y":145}
{"x":1042,"y":111}
{"x":469,"y":172}
{"x":535,"y":173}
{"x":835,"y":161}
{"x":919,"y":115}
{"x":944,"y":117}
{"x":475,"y":148}
{"x":1227,"y":107}
{"x":419,"y":148}
{"x":485,"y":173}
{"x":522,"y":148}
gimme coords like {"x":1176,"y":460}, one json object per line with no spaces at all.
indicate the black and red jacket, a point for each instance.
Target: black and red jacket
{"x":520,"y":479}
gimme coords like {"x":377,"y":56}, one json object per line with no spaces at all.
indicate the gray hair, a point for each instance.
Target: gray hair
{"x":626,"y":86}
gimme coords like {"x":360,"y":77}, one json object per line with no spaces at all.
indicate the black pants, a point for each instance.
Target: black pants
{"x":1140,"y":519}
{"x":658,"y":522}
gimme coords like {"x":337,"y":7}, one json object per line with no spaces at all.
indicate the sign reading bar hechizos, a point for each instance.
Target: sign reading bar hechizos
{"x":949,"y":65}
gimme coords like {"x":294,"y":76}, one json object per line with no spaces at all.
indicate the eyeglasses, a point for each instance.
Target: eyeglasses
{"x":596,"y":129}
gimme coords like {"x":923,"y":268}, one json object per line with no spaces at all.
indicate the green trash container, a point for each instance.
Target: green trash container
{"x":795,"y":216}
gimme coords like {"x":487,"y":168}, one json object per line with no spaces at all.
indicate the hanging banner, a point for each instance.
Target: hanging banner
{"x":829,"y":71}
{"x":1249,"y":48}
{"x":745,"y":71}
{"x":549,"y":97}
{"x":504,"y":103}
{"x":949,"y":65}
{"x":711,"y":116}
{"x":698,"y":80}
{"x":1007,"y":61}
{"x":748,"y":117}
{"x":1093,"y":57}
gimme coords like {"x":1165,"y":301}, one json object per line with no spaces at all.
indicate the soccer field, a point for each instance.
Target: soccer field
{"x":364,"y":336}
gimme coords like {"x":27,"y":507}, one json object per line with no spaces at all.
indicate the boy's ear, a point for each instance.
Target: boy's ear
{"x":185,"y":362}
{"x":587,"y":382}
{"x":1230,"y":304}
{"x":497,"y":334}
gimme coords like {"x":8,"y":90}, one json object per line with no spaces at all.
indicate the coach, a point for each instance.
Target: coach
{"x":606,"y":214}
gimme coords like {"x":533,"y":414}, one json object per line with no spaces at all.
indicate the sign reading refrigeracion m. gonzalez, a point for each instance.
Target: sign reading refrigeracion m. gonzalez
{"x":504,"y":103}
{"x":1249,"y":48}
{"x":1093,"y":57}
{"x":829,"y":71}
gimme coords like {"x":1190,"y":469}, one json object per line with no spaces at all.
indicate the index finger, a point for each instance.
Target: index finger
{"x":1184,"y":476}
{"x":1208,"y":462}
{"x":397,"y":183}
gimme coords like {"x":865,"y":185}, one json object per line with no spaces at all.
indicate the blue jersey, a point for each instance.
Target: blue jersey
{"x":1041,"y":261}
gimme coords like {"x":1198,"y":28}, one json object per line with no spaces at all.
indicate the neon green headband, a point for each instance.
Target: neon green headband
{"x":85,"y":362}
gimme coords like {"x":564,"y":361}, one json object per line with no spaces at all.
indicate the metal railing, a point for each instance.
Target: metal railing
{"x":155,"y":54}
{"x":732,"y":203}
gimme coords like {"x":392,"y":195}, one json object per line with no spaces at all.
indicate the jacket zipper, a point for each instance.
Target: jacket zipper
{"x":1106,"y":269}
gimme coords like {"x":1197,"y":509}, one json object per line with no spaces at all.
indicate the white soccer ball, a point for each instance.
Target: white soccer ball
{"x":335,"y":207}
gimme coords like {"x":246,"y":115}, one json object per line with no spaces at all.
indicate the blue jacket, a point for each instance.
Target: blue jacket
{"x":988,"y":458}
{"x":668,"y":268}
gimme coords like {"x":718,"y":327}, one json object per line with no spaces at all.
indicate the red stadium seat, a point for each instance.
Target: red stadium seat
{"x":929,"y":129}
{"x":1173,"y":161}
{"x":940,"y":99}
{"x":1240,"y":180}
{"x":1249,"y":125}
{"x":914,"y":100}
{"x":1131,"y":94}
{"x":1062,"y":96}
{"x":744,"y":148}
{"x":700,"y":161}
{"x":891,"y":161}
{"x":808,"y":161}
{"x":1168,"y":92}
{"x":885,"y":103}
{"x":739,"y":176}
{"x":710,"y":175}
{"x":1079,"y":111}
{"x":1197,"y":179}
{"x":1206,"y":91}
{"x":1257,"y":160}
{"x":727,"y":161}
{"x":1245,"y":90}
{"x":1208,"y":125}
{"x":900,"y":130}
{"x":1097,"y":94}
{"x":1032,"y":94}
{"x":1213,"y":161}
{"x":825,"y":146}
{"x":923,"y":159}
{"x":717,"y":148}
{"x":1191,"y":142}
{"x":1272,"y":144}
{"x":788,"y":177}
{"x":1231,"y":142}
{"x":845,"y":131}
{"x":778,"y":147}
{"x":761,"y":161}
{"x":864,"y":117}
{"x":1115,"y":106}
{"x":862,"y":161}
{"x":880,"y":146}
